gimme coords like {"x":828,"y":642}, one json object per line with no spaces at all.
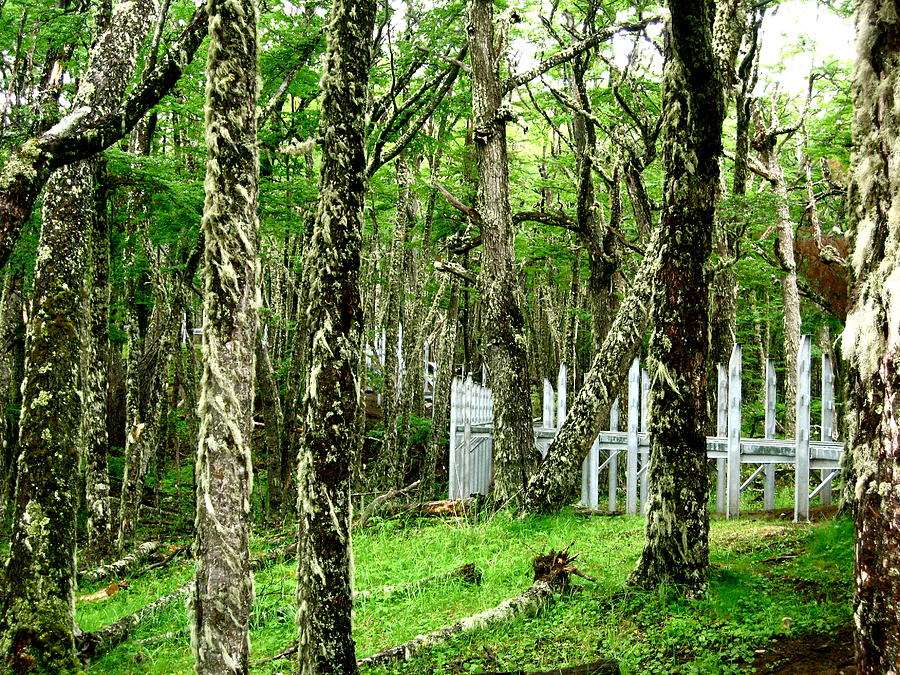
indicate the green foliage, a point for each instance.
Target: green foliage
{"x":763,"y":573}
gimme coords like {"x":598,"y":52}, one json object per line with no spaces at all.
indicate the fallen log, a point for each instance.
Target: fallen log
{"x":102,"y":640}
{"x":438,"y":508}
{"x":526,"y":603}
{"x":551,"y":576}
{"x":119,"y":568}
{"x":275,"y":555}
{"x":467,"y":573}
{"x":162,"y":563}
{"x":378,"y":501}
{"x":602,"y":667}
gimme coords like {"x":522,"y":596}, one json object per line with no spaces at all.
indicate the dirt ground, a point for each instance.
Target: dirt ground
{"x":809,"y":655}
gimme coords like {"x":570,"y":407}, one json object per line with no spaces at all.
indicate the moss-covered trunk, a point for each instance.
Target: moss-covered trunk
{"x":95,"y":378}
{"x":223,"y":587}
{"x":871,"y":340}
{"x":37,"y":611}
{"x":334,"y":319}
{"x":677,"y":546}
{"x":504,"y":323}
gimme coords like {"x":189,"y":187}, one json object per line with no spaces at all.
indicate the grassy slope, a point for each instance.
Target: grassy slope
{"x":764,"y":573}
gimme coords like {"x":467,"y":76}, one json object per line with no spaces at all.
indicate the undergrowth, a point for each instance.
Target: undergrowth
{"x":770,"y":580}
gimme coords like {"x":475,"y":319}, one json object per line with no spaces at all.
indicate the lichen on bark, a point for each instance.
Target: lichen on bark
{"x":333,"y":322}
{"x":222,"y":595}
{"x":871,"y":339}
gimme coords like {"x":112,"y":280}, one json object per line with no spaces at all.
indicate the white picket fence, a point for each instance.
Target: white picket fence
{"x":471,"y":428}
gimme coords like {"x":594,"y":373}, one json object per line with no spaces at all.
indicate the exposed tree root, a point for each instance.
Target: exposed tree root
{"x":119,"y":568}
{"x":102,"y":640}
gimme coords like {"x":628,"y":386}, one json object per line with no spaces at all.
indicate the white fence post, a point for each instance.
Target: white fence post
{"x":769,"y":480}
{"x":645,"y":456}
{"x":801,"y":456}
{"x":454,"y":469}
{"x":722,"y":432}
{"x":613,"y":465}
{"x":561,"y":394}
{"x":734,"y":433}
{"x":631,"y":458}
{"x":827,"y":420}
{"x":547,"y":417}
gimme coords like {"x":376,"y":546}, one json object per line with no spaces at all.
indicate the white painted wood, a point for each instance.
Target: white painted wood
{"x":613,"y":461}
{"x":824,"y":488}
{"x":561,"y":395}
{"x":454,"y":467}
{"x":631,"y":457}
{"x":644,"y":456}
{"x":733,"y":507}
{"x":721,"y":430}
{"x":801,"y":457}
{"x":547,"y":417}
{"x":770,"y":401}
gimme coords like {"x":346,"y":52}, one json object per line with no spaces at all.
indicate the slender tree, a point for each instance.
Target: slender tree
{"x":334,"y":321}
{"x":223,"y":588}
{"x":872,"y":337}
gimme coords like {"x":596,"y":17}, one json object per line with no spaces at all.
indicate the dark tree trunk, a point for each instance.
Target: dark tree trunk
{"x":677,"y":546}
{"x":334,"y":318}
{"x":872,"y":338}
{"x":514,"y":456}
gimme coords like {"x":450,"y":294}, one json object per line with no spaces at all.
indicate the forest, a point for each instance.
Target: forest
{"x":449,"y":336}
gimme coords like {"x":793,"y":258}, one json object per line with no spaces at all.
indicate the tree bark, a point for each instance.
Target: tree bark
{"x":334,"y":318}
{"x":37,"y":612}
{"x":223,"y":589}
{"x":677,"y":546}
{"x":871,"y":339}
{"x":95,"y":378}
{"x":514,"y":456}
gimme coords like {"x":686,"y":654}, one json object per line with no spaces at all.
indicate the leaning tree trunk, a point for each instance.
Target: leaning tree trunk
{"x":504,"y":335}
{"x":871,"y":339}
{"x":334,"y":319}
{"x":223,"y":588}
{"x":37,"y":612}
{"x":677,"y":545}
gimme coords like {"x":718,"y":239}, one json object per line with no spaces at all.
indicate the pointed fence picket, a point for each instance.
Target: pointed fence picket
{"x":471,"y":427}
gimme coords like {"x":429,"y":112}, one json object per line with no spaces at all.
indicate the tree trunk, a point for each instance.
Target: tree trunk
{"x":334,"y":318}
{"x":871,"y":338}
{"x":504,"y":336}
{"x":95,"y":379}
{"x":677,"y":546}
{"x":37,"y":613}
{"x":223,"y":589}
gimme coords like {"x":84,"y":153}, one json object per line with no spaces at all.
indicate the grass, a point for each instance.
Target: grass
{"x":770,"y":580}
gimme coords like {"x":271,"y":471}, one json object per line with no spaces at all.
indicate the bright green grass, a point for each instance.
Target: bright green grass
{"x":746,"y":607}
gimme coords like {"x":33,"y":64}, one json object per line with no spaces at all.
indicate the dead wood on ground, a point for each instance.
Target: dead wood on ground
{"x":119,"y":568}
{"x":602,"y":667}
{"x":467,"y":573}
{"x":378,"y":501}
{"x":99,"y":641}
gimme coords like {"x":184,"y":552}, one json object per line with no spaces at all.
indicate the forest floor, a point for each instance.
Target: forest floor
{"x":778,"y":601}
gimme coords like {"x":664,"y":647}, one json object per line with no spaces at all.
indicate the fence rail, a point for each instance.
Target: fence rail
{"x":471,"y":439}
